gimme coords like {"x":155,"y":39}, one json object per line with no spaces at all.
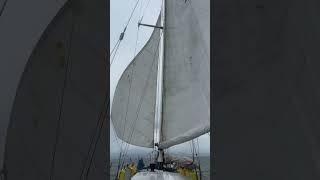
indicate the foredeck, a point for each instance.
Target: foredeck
{"x":159,"y":175}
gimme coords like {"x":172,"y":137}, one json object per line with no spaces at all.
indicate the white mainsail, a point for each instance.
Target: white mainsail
{"x":133,"y":108}
{"x":186,"y":72}
{"x":23,"y":22}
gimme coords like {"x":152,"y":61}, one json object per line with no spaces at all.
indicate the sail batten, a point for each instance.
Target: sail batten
{"x":133,"y":109}
{"x":186,"y":93}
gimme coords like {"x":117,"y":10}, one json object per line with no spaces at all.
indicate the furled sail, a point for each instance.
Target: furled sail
{"x":21,"y":25}
{"x":133,"y":108}
{"x":186,"y":72}
{"x":60,"y":100}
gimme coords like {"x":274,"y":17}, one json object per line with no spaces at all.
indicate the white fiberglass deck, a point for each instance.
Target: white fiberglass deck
{"x":158,"y":175}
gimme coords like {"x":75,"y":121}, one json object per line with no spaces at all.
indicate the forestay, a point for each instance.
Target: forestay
{"x":185,"y":113}
{"x":133,"y":108}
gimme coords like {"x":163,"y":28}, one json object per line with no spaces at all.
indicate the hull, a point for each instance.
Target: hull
{"x":159,"y":175}
{"x":21,"y":25}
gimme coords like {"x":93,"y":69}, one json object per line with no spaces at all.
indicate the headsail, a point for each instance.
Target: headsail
{"x":186,"y":72}
{"x":133,"y":108}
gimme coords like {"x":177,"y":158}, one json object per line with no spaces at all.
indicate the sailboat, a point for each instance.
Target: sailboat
{"x":162,"y":97}
{"x":53,"y":89}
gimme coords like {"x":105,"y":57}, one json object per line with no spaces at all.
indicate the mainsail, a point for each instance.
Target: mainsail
{"x":186,"y":72}
{"x":133,"y":108}
{"x":60,"y":99}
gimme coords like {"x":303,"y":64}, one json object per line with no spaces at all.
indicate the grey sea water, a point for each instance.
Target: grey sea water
{"x":204,"y":164}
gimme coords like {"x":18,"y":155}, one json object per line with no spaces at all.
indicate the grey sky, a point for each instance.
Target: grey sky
{"x":120,"y":11}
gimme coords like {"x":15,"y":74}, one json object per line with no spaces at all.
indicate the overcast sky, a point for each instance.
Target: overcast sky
{"x":120,"y":11}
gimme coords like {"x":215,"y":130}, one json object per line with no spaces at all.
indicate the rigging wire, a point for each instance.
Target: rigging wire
{"x":127,"y":145}
{"x":117,"y":47}
{"x":121,"y":155}
{"x":97,"y":138}
{"x":123,"y":32}
{"x":134,"y":54}
{"x":114,"y":47}
{"x":58,"y":127}
{"x":94,"y":140}
{"x":144,"y":11}
{"x":131,"y":72}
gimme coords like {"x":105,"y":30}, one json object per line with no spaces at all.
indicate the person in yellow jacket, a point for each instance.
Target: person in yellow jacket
{"x":179,"y":170}
{"x":192,"y":174}
{"x":182,"y":171}
{"x":189,"y":173}
{"x":122,"y":173}
{"x":133,"y":169}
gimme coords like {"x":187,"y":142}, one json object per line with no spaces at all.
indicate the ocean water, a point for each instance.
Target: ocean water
{"x":204,"y":165}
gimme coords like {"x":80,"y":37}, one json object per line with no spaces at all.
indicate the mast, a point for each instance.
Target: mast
{"x":160,"y":77}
